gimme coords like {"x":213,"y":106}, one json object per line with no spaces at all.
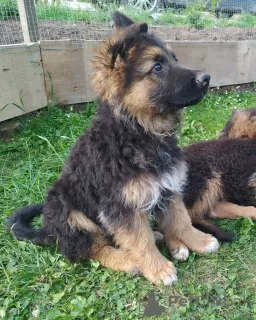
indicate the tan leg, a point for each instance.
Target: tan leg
{"x":177,"y":228}
{"x":111,"y":257}
{"x":137,"y":247}
{"x":101,"y":250}
{"x":139,"y":244}
{"x":232,"y":211}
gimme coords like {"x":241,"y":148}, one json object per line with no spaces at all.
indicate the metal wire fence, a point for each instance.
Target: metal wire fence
{"x":179,"y":20}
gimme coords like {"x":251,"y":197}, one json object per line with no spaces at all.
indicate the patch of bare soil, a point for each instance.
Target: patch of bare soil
{"x":11,"y":32}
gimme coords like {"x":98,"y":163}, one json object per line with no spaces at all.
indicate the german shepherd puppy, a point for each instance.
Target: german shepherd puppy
{"x":242,"y":124}
{"x":127,"y":168}
{"x":221,"y":170}
{"x":221,"y":181}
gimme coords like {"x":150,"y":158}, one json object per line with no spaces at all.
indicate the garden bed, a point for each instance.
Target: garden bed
{"x":10,"y":32}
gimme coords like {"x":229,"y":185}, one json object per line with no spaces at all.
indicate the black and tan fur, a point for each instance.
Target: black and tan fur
{"x":127,"y":168}
{"x":220,"y":170}
{"x":242,"y":124}
{"x":222,"y":175}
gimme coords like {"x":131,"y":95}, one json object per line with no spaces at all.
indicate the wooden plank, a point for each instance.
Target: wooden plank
{"x":28,"y":20}
{"x":23,"y":21}
{"x":228,"y":63}
{"x":67,"y":61}
{"x":21,"y":78}
{"x":69,"y":65}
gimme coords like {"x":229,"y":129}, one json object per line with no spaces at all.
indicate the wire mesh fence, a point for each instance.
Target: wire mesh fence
{"x":10,"y":26}
{"x":178,"y":20}
{"x":40,"y":73}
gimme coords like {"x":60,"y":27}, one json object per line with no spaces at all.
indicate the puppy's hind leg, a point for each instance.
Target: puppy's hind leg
{"x":110,"y":257}
{"x":137,"y":249}
{"x":138,"y":241}
{"x":230,"y":210}
{"x":90,"y":242}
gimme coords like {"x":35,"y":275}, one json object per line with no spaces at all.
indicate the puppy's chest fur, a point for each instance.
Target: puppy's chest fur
{"x":153,"y":167}
{"x":151,"y":189}
{"x":125,"y":168}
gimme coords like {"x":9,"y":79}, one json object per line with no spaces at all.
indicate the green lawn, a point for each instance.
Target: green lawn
{"x":39,"y":283}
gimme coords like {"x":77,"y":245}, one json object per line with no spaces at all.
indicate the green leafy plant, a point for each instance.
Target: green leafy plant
{"x":8,"y":9}
{"x":21,"y":107}
{"x":193,"y":13}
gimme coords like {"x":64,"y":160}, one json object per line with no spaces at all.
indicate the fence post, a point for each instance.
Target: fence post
{"x":28,"y":19}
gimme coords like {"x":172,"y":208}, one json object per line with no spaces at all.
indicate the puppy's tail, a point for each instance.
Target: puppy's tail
{"x":19,"y":223}
{"x":217,"y":232}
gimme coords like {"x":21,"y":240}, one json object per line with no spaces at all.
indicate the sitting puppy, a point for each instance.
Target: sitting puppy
{"x":127,"y":168}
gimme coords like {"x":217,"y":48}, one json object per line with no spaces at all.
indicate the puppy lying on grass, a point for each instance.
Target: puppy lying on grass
{"x":221,"y":179}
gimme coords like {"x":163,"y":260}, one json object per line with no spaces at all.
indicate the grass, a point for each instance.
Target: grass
{"x":61,"y":13}
{"x":39,"y":283}
{"x":193,"y":16}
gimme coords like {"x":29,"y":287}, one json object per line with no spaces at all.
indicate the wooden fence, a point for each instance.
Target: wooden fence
{"x":31,"y":72}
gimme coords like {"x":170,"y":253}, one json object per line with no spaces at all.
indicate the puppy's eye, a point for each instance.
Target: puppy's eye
{"x":157,"y":67}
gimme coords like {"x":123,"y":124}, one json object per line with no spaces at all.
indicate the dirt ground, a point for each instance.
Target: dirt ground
{"x":10,"y":32}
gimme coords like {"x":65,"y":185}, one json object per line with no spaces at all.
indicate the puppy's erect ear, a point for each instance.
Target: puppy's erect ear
{"x":122,"y":45}
{"x":138,"y":28}
{"x":121,"y":21}
{"x":143,"y":28}
{"x":114,"y":53}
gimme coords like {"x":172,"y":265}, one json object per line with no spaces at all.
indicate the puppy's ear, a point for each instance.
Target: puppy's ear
{"x":122,"y":46}
{"x":121,"y":21}
{"x":143,"y":27}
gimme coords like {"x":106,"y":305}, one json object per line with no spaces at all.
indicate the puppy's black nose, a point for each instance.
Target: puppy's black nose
{"x":203,"y":79}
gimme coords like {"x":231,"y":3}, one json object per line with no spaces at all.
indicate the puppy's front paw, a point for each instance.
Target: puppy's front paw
{"x":161,"y":271}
